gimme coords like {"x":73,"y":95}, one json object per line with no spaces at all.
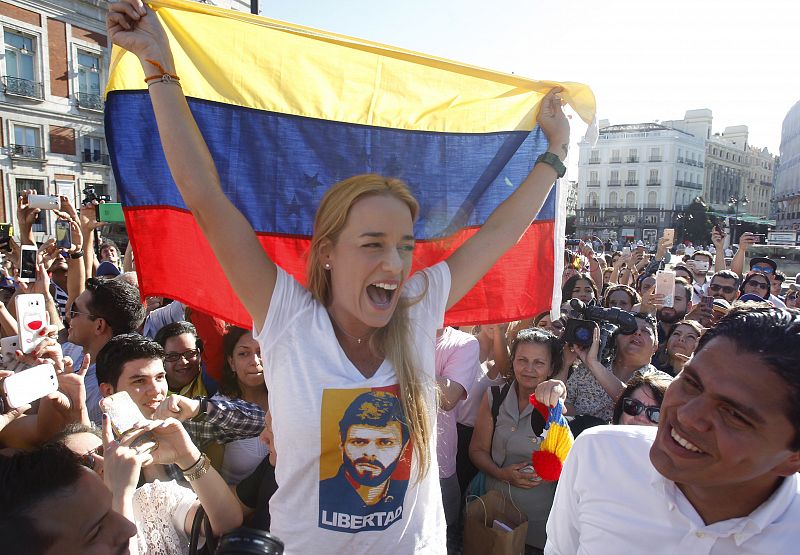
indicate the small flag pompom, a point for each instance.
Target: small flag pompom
{"x":549,"y":459}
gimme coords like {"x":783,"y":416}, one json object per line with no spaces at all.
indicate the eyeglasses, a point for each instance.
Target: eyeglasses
{"x":792,"y":297}
{"x":88,"y":459}
{"x":724,"y":288}
{"x":73,"y":313}
{"x":759,"y":284}
{"x":632,"y":407}
{"x":763,"y":269}
{"x":191,"y":354}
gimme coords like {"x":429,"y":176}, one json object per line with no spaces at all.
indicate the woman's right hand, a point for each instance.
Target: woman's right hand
{"x":589,"y":354}
{"x":133,"y":26}
{"x":523,"y":480}
{"x":122,"y":463}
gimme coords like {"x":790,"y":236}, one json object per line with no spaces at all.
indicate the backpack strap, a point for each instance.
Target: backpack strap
{"x":498,"y":396}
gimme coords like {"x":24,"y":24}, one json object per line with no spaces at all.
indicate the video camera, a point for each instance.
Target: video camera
{"x":89,"y":195}
{"x":580,"y":326}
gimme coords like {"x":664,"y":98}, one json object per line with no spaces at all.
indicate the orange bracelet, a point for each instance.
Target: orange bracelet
{"x":164,"y":75}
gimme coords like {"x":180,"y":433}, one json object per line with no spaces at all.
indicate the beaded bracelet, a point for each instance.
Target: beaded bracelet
{"x":163,"y":77}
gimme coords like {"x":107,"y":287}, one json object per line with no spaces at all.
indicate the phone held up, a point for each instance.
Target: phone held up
{"x":26,"y":386}
{"x":63,"y":235}
{"x":31,"y":320}
{"x":665,"y":285}
{"x":27,"y":263}
{"x":124,"y":415}
{"x":44,"y":202}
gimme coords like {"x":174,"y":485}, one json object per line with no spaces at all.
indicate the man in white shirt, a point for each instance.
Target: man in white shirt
{"x":717,"y":476}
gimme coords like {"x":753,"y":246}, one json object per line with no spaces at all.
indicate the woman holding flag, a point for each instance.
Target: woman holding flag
{"x":349,"y":360}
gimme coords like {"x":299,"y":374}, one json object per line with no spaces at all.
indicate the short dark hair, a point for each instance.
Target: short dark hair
{"x":174,"y":330}
{"x":750,"y":275}
{"x":27,"y":479}
{"x":728,"y":274}
{"x":374,"y":408}
{"x":229,"y":385}
{"x":540,"y":336}
{"x":122,"y":349}
{"x":774,"y":335}
{"x":117,"y":302}
{"x":687,"y":287}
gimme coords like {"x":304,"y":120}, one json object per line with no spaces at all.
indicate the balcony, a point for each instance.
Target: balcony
{"x":631,"y":183}
{"x":633,"y":159}
{"x":616,"y":160}
{"x":592,"y":183}
{"x":614,"y":182}
{"x":655,"y":159}
{"x":23,"y":87}
{"x":654,"y":182}
{"x":700,"y":165}
{"x":680,"y":159}
{"x":594,"y":160}
{"x":90,"y":101}
{"x":25,"y":151}
{"x":679,"y":182}
{"x":96,"y":158}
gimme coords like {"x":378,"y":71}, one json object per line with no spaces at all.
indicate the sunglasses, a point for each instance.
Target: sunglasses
{"x":88,"y":460}
{"x":191,"y":354}
{"x":759,"y":284}
{"x":632,"y":407}
{"x":762,"y":269}
{"x":724,"y":288}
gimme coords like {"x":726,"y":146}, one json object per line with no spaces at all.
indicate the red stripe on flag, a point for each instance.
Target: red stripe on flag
{"x":174,"y":260}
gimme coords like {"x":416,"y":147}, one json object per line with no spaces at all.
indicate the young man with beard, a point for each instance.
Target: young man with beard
{"x":363,"y":495}
{"x":667,"y":316}
{"x":721,"y":475}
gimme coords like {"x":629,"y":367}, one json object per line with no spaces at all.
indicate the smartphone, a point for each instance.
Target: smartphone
{"x":110,"y":212}
{"x":527,"y":469}
{"x":665,"y":285}
{"x":758,"y":237}
{"x":63,"y":234}
{"x":31,"y":319}
{"x":8,"y":349}
{"x":28,"y":385}
{"x":124,"y":414}
{"x":27,"y":263}
{"x":6,"y":231}
{"x":669,"y":235}
{"x":701,"y":266}
{"x":45,"y":202}
{"x":708,"y":302}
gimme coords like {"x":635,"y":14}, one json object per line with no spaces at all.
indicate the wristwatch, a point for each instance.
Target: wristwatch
{"x":554,"y":162}
{"x":75,"y":255}
{"x":202,"y":411}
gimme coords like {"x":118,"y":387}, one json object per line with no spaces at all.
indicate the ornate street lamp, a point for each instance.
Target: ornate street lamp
{"x":734,"y":202}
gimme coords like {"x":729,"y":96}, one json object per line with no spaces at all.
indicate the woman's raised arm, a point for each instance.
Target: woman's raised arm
{"x":506,"y":225}
{"x":136,"y":28}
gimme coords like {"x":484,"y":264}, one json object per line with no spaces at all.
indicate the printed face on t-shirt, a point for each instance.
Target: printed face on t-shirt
{"x":371,"y":451}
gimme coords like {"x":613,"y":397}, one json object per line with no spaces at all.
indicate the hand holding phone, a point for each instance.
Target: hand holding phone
{"x":707,"y":302}
{"x":31,"y":320}
{"x":665,"y":285}
{"x":669,"y":236}
{"x":27,"y":263}
{"x":44,"y":202}
{"x":63,"y":234}
{"x":29,"y":385}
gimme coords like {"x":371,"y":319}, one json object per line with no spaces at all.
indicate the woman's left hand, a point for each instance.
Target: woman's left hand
{"x":549,"y":392}
{"x":554,"y":122}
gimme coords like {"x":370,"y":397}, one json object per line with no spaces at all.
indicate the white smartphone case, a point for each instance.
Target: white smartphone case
{"x":122,"y":411}
{"x":28,"y":385}
{"x":31,"y":319}
{"x":8,"y":348}
{"x":45,"y":202}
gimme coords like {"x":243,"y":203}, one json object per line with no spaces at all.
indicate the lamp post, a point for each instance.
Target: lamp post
{"x":734,"y":202}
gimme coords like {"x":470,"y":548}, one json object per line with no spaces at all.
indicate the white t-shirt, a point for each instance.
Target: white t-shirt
{"x":241,"y":456}
{"x":313,"y":387}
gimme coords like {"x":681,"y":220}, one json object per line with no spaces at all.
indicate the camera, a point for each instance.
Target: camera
{"x":89,"y":194}
{"x":248,"y":541}
{"x":580,"y":327}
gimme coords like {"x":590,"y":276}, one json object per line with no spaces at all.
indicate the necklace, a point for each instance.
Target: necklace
{"x":358,"y":340}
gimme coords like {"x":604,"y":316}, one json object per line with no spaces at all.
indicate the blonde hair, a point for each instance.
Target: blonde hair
{"x":391,"y":341}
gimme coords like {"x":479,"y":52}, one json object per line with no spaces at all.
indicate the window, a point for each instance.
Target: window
{"x":653,"y":179}
{"x":612,"y":199}
{"x":633,"y":155}
{"x":631,"y":179}
{"x":630,"y":199}
{"x":615,"y":158}
{"x":20,"y":78}
{"x":93,"y":150}
{"x":37,"y":185}
{"x":614,"y":178}
{"x":27,"y":142}
{"x":655,"y":154}
{"x":594,"y":157}
{"x":89,"y":81}
{"x":593,"y":200}
{"x":652,"y":199}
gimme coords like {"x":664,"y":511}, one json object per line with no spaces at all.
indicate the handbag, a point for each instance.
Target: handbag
{"x":492,"y":526}
{"x":199,"y":523}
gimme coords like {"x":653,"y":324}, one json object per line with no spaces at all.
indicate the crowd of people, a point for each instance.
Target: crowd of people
{"x":349,"y":418}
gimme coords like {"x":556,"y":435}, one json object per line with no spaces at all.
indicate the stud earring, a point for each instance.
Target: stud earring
{"x":327,"y":266}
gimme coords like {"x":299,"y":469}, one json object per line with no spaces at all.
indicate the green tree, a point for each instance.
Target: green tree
{"x":697,"y":222}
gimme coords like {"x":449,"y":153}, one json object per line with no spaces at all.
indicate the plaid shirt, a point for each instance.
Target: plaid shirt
{"x":228,"y":420}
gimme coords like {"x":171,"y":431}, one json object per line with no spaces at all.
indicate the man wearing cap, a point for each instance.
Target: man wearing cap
{"x":757,"y":264}
{"x":724,"y":285}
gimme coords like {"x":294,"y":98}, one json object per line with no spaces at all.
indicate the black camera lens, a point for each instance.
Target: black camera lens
{"x":247,"y":541}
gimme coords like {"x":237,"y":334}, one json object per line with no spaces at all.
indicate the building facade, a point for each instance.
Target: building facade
{"x":51,"y":108}
{"x":636,"y":179}
{"x":786,"y":197}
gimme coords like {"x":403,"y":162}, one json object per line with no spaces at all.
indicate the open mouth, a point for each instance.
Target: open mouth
{"x":685,"y":443}
{"x":381,"y":293}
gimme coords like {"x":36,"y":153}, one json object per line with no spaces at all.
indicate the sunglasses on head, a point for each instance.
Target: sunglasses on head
{"x":763,"y":269}
{"x":632,"y":407}
{"x":724,"y":288}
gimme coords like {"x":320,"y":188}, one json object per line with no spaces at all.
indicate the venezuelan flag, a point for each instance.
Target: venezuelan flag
{"x":287,"y":111}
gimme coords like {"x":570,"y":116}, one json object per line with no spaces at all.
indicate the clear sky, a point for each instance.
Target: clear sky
{"x":645,"y":60}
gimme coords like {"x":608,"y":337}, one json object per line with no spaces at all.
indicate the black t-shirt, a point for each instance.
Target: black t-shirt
{"x":255,"y":491}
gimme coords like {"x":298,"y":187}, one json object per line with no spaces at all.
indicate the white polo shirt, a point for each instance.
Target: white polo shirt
{"x":610,"y":499}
